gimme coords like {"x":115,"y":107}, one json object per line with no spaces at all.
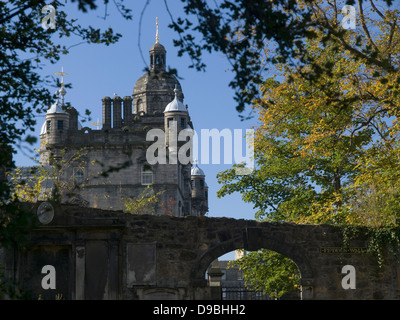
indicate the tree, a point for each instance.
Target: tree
{"x":57,"y":182}
{"x":318,"y":139}
{"x":144,"y":203}
{"x":243,"y":29}
{"x":268,"y":272}
{"x":327,"y":149}
{"x":25,"y":46}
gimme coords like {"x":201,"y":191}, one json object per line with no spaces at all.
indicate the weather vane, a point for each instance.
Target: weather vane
{"x":62,"y":74}
{"x":97,"y":124}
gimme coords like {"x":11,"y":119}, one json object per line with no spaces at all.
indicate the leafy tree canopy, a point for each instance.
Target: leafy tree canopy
{"x":327,"y":148}
{"x":242,"y":30}
{"x":25,"y":47}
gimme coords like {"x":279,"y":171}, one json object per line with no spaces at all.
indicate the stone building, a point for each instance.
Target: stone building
{"x":105,"y":167}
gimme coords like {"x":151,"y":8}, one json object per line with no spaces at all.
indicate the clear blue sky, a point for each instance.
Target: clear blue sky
{"x":96,"y":71}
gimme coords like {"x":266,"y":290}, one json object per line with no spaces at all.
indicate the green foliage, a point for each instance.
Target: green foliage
{"x":268,"y":272}
{"x":48,"y":183}
{"x":25,"y":48}
{"x":327,"y":149}
{"x":145,"y":203}
{"x":242,"y":30}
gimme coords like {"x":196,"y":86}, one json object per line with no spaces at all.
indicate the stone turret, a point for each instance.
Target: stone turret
{"x":175,"y":119}
{"x":55,"y":129}
{"x":155,"y":89}
{"x":199,"y":191}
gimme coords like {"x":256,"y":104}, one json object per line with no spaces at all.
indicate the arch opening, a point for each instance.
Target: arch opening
{"x":249,"y":242}
{"x":253,"y":275}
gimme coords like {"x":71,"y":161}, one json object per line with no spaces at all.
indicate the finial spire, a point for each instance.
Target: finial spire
{"x":157,"y":30}
{"x":62,"y":74}
{"x":62,"y":91}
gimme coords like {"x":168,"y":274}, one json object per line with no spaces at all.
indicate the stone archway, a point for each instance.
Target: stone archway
{"x":252,"y":239}
{"x":149,"y":256}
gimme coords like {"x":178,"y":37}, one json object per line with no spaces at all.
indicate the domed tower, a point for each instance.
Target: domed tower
{"x":55,"y":129}
{"x":155,"y":89}
{"x":175,"y":119}
{"x":157,"y":55}
{"x":199,"y":192}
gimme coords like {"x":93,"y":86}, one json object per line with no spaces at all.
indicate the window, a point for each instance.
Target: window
{"x":182,"y":122}
{"x":202,"y":183}
{"x":170,"y":122}
{"x":60,"y":124}
{"x":78,"y":175}
{"x":48,"y":124}
{"x":192,"y":183}
{"x":223,"y":274}
{"x":147,"y":175}
{"x":139,"y":106}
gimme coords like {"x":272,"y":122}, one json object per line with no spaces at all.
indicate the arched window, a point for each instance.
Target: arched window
{"x":139,"y":106}
{"x":78,"y":175}
{"x":147,"y":175}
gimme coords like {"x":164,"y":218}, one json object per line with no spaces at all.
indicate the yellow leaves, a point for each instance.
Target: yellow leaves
{"x":144,"y":203}
{"x":340,"y":130}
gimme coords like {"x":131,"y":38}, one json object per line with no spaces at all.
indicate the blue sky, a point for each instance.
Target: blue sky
{"x":96,"y":71}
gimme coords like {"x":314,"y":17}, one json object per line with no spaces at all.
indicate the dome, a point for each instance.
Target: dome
{"x":55,"y":108}
{"x":196,"y":171}
{"x":157,"y":47}
{"x":157,"y":81}
{"x":175,"y":105}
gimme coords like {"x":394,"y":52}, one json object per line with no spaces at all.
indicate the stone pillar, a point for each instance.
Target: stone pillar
{"x":214,"y":279}
{"x":127,"y":103}
{"x":106,"y":112}
{"x":307,"y":289}
{"x":80,"y":273}
{"x":117,"y":117}
{"x":113,"y":270}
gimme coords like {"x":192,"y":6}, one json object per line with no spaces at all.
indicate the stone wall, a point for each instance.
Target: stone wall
{"x":111,"y":255}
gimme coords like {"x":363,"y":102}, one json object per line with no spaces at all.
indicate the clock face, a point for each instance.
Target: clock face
{"x":45,"y":213}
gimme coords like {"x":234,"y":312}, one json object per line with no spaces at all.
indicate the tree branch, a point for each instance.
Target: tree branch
{"x":376,"y":9}
{"x":366,"y":31}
